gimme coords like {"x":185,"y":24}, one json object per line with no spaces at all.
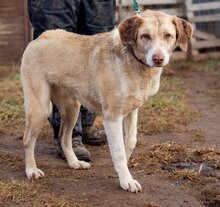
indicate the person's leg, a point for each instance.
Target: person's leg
{"x":91,"y":135}
{"x":95,"y":16}
{"x":79,"y":149}
{"x":63,"y":14}
{"x":46,"y":15}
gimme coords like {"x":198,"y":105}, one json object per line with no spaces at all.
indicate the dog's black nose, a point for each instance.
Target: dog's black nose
{"x":158,"y":59}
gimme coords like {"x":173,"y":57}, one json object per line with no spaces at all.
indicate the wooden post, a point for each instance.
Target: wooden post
{"x":27,"y":36}
{"x":189,"y":15}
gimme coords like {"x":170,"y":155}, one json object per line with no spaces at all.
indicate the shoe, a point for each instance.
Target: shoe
{"x":94,"y":136}
{"x":81,"y":152}
{"x":78,"y":147}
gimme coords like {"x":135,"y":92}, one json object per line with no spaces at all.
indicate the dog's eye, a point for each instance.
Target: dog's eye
{"x":146,"y":36}
{"x":167,"y":36}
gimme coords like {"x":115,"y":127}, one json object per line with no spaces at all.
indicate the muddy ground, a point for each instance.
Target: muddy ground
{"x":175,"y":168}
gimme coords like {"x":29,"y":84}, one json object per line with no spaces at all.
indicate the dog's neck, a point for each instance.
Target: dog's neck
{"x":131,"y":51}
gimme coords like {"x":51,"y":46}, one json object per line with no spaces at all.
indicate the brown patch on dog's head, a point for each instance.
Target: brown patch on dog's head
{"x":128,"y":29}
{"x":184,"y":32}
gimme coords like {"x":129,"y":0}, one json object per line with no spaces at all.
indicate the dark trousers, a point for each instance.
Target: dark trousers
{"x":80,"y":16}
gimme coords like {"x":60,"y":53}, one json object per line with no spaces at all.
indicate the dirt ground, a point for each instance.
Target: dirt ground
{"x":175,"y":168}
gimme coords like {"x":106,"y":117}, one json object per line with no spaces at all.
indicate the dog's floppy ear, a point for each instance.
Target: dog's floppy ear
{"x":184,"y":32}
{"x":128,"y":29}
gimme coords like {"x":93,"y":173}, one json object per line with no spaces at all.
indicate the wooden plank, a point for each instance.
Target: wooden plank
{"x":173,"y":11}
{"x":26,"y":25}
{"x":204,"y":6}
{"x":204,"y":35}
{"x":150,"y":2}
{"x":156,"y":2}
{"x":206,"y":44}
{"x":3,"y":44}
{"x":122,"y":14}
{"x":207,"y":55}
{"x":188,"y":4}
{"x":11,"y":30}
{"x":205,"y":18}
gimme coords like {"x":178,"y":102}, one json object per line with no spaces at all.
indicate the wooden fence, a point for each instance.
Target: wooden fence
{"x":203,"y":14}
{"x":14,"y":27}
{"x":125,"y":7}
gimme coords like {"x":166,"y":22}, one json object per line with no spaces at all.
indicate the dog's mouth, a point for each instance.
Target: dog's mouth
{"x":158,"y":65}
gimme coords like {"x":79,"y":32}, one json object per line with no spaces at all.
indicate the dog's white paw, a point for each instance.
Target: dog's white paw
{"x":80,"y":165}
{"x":131,"y":185}
{"x":34,"y":173}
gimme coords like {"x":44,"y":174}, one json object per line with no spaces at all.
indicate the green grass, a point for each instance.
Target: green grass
{"x":207,"y":65}
{"x":11,"y":98}
{"x":11,"y":109}
{"x":167,"y":111}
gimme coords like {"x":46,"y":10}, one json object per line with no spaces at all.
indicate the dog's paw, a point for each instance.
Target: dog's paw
{"x":131,"y":185}
{"x":34,"y":173}
{"x":80,"y":165}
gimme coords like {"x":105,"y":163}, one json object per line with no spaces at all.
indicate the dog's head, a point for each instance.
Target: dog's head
{"x":153,"y":35}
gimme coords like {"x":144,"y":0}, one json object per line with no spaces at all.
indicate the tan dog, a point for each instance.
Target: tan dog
{"x":112,"y":72}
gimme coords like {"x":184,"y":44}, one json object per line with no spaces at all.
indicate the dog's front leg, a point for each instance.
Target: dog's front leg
{"x":130,"y":131}
{"x":114,"y":132}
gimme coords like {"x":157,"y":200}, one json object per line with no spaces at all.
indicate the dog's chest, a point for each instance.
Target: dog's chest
{"x":138,"y":93}
{"x":152,"y":85}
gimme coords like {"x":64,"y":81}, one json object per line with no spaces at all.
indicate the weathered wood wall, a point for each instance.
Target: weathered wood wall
{"x":13,"y":30}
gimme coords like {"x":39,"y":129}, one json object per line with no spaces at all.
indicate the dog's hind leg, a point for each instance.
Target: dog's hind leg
{"x":130,"y":132}
{"x":37,"y":109}
{"x":114,"y":132}
{"x":69,"y":111}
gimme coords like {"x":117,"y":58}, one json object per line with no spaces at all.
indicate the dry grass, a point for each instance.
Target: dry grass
{"x":168,"y":111}
{"x":209,"y":155}
{"x":163,"y":155}
{"x":17,"y":191}
{"x":48,"y":200}
{"x":189,"y":174}
{"x":169,"y":152}
{"x":28,"y":193}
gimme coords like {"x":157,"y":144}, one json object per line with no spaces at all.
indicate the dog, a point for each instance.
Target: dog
{"x":113,"y":72}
